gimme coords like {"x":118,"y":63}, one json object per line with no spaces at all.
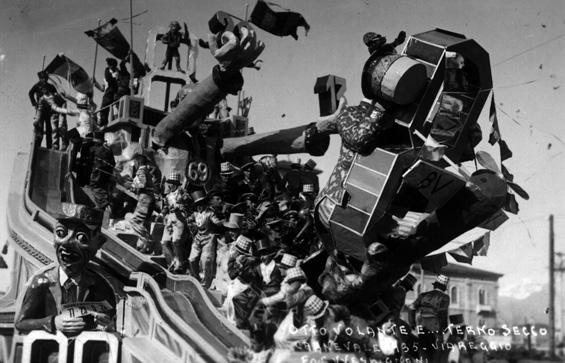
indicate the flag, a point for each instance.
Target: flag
{"x":505,"y":152}
{"x":494,"y":135}
{"x":109,"y":37}
{"x":281,"y":23}
{"x":481,"y":245}
{"x":72,"y":72}
{"x":434,"y":263}
{"x":463,"y":254}
{"x":432,"y":150}
{"x":511,"y":205}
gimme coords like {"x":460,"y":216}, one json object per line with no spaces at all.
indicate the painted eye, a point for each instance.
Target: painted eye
{"x":82,"y":237}
{"x":61,"y":232}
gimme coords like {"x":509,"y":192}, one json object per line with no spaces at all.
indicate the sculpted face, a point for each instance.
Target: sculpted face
{"x":75,"y":245}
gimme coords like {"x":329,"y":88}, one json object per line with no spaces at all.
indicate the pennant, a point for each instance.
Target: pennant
{"x":432,"y":150}
{"x":507,"y":175}
{"x":511,"y":205}
{"x":72,"y":72}
{"x":434,"y":263}
{"x":109,"y":37}
{"x":463,"y":254}
{"x":494,"y":135}
{"x":481,"y":245}
{"x":505,"y":152}
{"x":280,"y":23}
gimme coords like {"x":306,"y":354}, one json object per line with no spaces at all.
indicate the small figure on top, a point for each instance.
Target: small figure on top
{"x":173,"y":39}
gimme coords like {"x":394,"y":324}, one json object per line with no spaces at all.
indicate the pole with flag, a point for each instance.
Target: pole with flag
{"x":95,"y":56}
{"x":131,"y":46}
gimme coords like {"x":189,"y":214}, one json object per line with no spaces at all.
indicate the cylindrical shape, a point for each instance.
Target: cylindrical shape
{"x":190,"y":111}
{"x":393,"y":78}
{"x":287,"y":141}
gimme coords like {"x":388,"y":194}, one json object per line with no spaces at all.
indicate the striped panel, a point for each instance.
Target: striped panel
{"x":351,"y":218}
{"x":366,"y":179}
{"x":360,"y":199}
{"x":379,"y":160}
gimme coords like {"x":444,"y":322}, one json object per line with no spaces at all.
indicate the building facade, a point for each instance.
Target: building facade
{"x":473,"y":292}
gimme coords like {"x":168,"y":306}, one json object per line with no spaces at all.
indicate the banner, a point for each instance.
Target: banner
{"x":109,"y":37}
{"x":281,"y":23}
{"x":72,"y":72}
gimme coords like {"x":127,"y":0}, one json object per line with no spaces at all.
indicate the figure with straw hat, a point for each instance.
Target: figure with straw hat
{"x":176,"y":235}
{"x":146,"y":177}
{"x":430,"y":311}
{"x":202,"y":257}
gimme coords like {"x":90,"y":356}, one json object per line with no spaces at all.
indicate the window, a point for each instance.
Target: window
{"x":454,"y":295}
{"x":482,"y":296}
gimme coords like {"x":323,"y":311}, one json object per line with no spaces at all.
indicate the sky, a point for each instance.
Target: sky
{"x":525,"y":40}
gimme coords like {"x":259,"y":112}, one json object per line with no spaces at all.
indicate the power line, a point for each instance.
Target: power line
{"x":529,"y":49}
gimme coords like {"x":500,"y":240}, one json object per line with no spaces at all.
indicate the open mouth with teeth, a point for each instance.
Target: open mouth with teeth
{"x":69,"y":256}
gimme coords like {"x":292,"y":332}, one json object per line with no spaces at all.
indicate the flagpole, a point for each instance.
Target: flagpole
{"x":95,"y":55}
{"x":239,"y":92}
{"x":43,"y":63}
{"x":131,"y":47}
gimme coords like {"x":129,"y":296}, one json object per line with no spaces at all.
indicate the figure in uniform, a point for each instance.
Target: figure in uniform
{"x":176,"y":235}
{"x":430,"y":311}
{"x":203,"y":250}
{"x":173,"y":39}
{"x":53,"y":290}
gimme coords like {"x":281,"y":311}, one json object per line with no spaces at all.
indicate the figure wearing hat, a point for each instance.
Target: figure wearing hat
{"x":204,"y":243}
{"x":307,"y":196}
{"x":227,"y":182}
{"x":233,"y":227}
{"x":244,"y":289}
{"x":430,"y":310}
{"x":71,"y":280}
{"x":110,"y":90}
{"x":146,"y":177}
{"x":267,"y":268}
{"x":96,"y":166}
{"x":173,"y":39}
{"x":49,"y":114}
{"x":248,"y":181}
{"x":294,"y":290}
{"x":176,"y":235}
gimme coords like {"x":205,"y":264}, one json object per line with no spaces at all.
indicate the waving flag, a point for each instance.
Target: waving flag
{"x":72,"y":72}
{"x":109,"y":36}
{"x":281,"y":23}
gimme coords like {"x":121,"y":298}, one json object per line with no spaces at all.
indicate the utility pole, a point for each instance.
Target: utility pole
{"x":551,"y":289}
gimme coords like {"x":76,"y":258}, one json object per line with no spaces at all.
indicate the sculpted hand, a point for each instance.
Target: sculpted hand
{"x":236,"y":53}
{"x":325,"y":123}
{"x":69,"y":325}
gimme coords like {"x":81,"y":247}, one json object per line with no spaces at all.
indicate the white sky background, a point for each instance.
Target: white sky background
{"x":33,"y":28}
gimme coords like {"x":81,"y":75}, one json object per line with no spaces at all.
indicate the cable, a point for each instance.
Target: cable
{"x":529,"y":49}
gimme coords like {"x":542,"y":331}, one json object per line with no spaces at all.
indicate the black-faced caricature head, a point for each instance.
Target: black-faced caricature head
{"x":77,"y":237}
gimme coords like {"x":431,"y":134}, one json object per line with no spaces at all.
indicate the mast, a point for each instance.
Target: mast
{"x":95,"y":55}
{"x":131,"y":47}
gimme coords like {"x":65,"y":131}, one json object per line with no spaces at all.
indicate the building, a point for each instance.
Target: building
{"x":473,"y":292}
